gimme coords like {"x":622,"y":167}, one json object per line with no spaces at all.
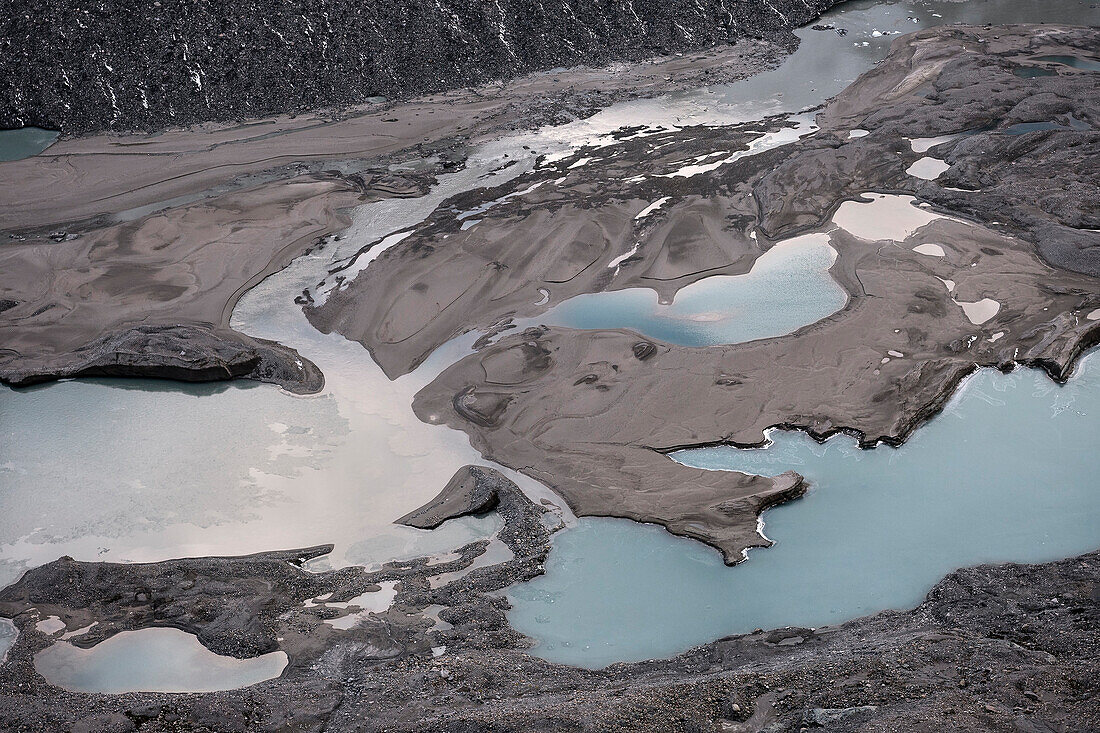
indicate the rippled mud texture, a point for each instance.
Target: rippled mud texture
{"x":153,"y":297}
{"x":1000,"y":277}
{"x":974,"y":656}
{"x":179,"y":63}
{"x":156,"y":206}
{"x":485,"y":255}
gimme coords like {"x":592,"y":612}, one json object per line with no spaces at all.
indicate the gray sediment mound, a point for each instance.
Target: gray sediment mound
{"x":1039,"y":186}
{"x":472,"y":490}
{"x":151,"y":65}
{"x":182,"y":353}
{"x":991,"y":647}
{"x":153,"y":297}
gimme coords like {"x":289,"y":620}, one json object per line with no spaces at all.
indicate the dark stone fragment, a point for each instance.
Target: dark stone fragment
{"x":644,"y":350}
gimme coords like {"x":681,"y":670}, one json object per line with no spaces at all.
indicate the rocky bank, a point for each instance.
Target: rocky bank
{"x":82,"y":67}
{"x":1012,"y":647}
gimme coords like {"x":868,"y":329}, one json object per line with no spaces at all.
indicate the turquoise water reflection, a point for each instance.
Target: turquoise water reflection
{"x":25,"y":142}
{"x":1077,"y":62}
{"x":1007,"y":473}
{"x":788,"y":287}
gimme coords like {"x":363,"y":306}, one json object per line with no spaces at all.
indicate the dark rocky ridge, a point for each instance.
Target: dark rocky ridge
{"x":472,"y":490}
{"x":82,"y":66}
{"x":185,"y":353}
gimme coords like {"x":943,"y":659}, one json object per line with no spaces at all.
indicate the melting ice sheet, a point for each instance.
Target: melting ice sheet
{"x":152,"y":660}
{"x":1006,"y":473}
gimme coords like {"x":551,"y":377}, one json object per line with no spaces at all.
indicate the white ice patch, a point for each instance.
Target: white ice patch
{"x":503,"y":199}
{"x":932,"y":250}
{"x":924,"y":144}
{"x":614,"y":264}
{"x":652,"y":207}
{"x":927,"y":168}
{"x":980,"y":311}
{"x":804,"y":125}
{"x":852,"y":134}
{"x":361,"y":261}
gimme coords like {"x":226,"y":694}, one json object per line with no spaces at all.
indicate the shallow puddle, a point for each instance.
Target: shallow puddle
{"x":1006,"y":473}
{"x":152,"y":660}
{"x":789,"y":287}
{"x":883,"y":217}
{"x":1033,"y":72}
{"x":1076,"y":62}
{"x":25,"y":142}
{"x":1022,"y":128}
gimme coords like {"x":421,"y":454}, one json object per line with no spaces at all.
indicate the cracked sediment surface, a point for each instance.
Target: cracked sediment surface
{"x":590,"y":413}
{"x":989,"y":648}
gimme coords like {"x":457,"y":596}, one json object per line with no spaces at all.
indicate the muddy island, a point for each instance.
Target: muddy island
{"x":935,"y":289}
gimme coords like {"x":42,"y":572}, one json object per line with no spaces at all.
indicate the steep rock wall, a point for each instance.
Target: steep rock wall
{"x":90,"y":65}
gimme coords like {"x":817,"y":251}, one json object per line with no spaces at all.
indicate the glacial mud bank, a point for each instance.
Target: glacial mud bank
{"x":153,"y":297}
{"x":1001,"y":475}
{"x":272,"y":189}
{"x":935,"y":289}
